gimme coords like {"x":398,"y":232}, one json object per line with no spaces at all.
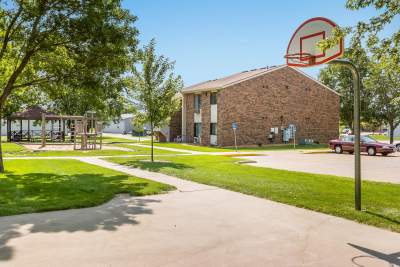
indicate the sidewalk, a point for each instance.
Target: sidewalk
{"x":196,"y":225}
{"x":181,"y":185}
{"x":175,"y":149}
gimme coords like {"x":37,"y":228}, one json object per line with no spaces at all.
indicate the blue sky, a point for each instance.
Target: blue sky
{"x":211,"y":39}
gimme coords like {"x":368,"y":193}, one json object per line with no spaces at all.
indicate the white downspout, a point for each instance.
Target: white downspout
{"x":183,"y":119}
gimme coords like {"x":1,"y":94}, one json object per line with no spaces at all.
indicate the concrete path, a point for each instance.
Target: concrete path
{"x":198,"y":225}
{"x":174,"y":149}
{"x":126,"y":136}
{"x":90,"y":157}
{"x":187,"y":151}
{"x":378,"y":168}
{"x":180,"y":184}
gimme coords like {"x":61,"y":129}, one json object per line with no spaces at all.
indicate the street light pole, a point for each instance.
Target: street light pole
{"x":357,"y":136}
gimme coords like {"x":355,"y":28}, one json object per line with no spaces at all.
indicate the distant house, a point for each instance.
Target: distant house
{"x":122,"y":125}
{"x":397,"y":132}
{"x":171,"y":132}
{"x":262,"y":103}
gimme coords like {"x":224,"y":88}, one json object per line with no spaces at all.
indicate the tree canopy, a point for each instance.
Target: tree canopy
{"x":70,"y":52}
{"x":383,"y":84}
{"x":340,"y":79}
{"x":82,"y":46}
{"x":155,"y":88}
{"x":378,"y":61}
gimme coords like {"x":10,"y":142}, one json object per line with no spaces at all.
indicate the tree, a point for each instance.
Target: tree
{"x":390,"y":9}
{"x":368,"y":30}
{"x":63,"y":44}
{"x":383,"y":83}
{"x":385,"y":54}
{"x":340,"y":79}
{"x":138,"y":122}
{"x":155,"y":88}
{"x":107,"y":101}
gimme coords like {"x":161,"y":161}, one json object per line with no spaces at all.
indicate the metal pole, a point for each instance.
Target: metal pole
{"x":234,"y":133}
{"x":294,"y":139}
{"x":43,"y":129}
{"x":357,"y":137}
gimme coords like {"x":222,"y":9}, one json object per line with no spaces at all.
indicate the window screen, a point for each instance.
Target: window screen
{"x":213,"y":98}
{"x":213,"y":128}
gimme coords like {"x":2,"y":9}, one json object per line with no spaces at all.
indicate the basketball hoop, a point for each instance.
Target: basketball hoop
{"x":303,"y":50}
{"x":305,"y":59}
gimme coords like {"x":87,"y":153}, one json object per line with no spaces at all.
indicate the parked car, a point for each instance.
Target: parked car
{"x":398,"y":147}
{"x":346,"y":131}
{"x":368,"y":144}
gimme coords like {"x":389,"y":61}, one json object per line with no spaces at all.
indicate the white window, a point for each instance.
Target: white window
{"x":197,"y":130}
{"x":213,"y":98}
{"x":197,"y":103}
{"x":213,"y":129}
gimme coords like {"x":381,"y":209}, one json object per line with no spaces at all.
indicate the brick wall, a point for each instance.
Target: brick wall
{"x":275,"y":99}
{"x":175,"y":125}
{"x":189,"y":102}
{"x":205,"y":118}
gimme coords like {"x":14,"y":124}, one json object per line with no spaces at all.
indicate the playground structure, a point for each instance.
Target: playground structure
{"x":89,"y":131}
{"x":84,"y":132}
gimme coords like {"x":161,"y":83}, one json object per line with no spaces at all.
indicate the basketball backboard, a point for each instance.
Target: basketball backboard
{"x":303,"y":51}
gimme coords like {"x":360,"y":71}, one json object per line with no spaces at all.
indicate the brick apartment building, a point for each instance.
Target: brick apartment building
{"x":262,"y":102}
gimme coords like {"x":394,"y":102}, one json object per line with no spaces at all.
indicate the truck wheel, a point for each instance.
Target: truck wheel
{"x":398,"y":147}
{"x":371,"y":151}
{"x":338,"y":149}
{"x":384,"y":154}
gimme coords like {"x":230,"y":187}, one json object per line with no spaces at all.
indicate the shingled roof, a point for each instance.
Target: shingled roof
{"x":230,"y":80}
{"x":31,"y":113}
{"x":243,"y":76}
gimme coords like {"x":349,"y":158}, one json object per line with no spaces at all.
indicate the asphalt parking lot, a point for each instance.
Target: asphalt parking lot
{"x":375,"y":168}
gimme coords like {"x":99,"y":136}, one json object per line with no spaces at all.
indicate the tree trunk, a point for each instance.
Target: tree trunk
{"x":152,"y":148}
{"x":391,"y":132}
{"x":1,"y":150}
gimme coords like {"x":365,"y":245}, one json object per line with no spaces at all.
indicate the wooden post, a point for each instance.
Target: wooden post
{"x":101,"y":134}
{"x":8,"y":130}
{"x":29,"y":130}
{"x":43,"y":129}
{"x":20,"y":130}
{"x":101,"y":140}
{"x":63,"y":135}
{"x":84,"y":134}
{"x":52,"y":129}
{"x":59,"y":134}
{"x":74,"y":134}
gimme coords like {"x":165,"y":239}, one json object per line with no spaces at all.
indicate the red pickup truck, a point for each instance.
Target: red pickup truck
{"x":368,"y":144}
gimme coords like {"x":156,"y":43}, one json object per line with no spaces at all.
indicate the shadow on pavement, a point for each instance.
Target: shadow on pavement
{"x":393,"y":258}
{"x":119,"y":211}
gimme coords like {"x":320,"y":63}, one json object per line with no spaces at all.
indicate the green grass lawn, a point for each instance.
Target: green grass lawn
{"x":382,"y":137}
{"x":186,"y":146}
{"x":16,"y":150}
{"x":324,"y":193}
{"x":42,"y":185}
{"x":228,"y":149}
{"x":111,"y":139}
{"x":12,"y":148}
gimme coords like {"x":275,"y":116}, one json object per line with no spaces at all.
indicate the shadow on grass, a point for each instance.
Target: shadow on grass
{"x":44,"y":192}
{"x":383,"y":217}
{"x":155,"y":166}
